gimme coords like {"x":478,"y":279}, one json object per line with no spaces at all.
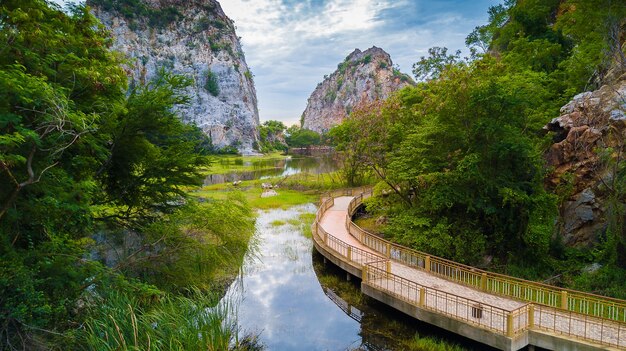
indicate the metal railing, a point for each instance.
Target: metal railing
{"x":566,"y":312}
{"x":510,"y":323}
{"x":494,"y":283}
{"x":376,"y":272}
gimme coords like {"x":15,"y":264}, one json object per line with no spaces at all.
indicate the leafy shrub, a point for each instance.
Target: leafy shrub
{"x":212,"y":85}
{"x":137,"y":9}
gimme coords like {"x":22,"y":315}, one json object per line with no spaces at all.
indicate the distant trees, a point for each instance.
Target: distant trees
{"x":300,"y":137}
{"x":272,"y":135}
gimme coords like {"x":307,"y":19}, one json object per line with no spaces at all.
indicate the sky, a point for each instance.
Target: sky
{"x":291,"y":44}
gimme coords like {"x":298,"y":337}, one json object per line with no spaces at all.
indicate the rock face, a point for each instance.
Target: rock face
{"x":590,"y":123}
{"x":362,"y":77}
{"x":200,"y":43}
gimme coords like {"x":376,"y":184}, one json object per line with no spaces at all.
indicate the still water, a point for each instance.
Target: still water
{"x":288,"y":296}
{"x":266,"y":168}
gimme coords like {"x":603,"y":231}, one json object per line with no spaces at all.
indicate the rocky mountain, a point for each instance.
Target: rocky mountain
{"x":194,"y":38}
{"x":362,"y":77}
{"x":593,"y":124}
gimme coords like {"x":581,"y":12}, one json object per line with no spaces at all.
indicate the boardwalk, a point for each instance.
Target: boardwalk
{"x":463,"y":300}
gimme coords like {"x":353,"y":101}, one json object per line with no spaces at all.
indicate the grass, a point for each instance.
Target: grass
{"x":277,"y":223}
{"x":293,"y":190}
{"x":306,"y":220}
{"x":197,"y":322}
{"x":369,"y":224}
{"x":429,"y":344}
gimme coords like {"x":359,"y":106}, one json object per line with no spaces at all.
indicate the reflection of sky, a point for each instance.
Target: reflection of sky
{"x":280,"y":296}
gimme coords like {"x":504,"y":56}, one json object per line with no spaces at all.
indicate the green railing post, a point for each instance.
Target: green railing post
{"x":564,"y":299}
{"x":483,"y":281}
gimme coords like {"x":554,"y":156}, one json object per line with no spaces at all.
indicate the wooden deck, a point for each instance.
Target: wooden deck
{"x":454,"y":299}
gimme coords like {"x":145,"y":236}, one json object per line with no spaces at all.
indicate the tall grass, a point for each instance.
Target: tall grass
{"x":195,"y":322}
{"x":430,"y":344}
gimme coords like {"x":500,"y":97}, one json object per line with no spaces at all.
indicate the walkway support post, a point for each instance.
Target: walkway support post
{"x":427,"y":263}
{"x":531,"y":316}
{"x":388,"y":266}
{"x":564,"y":299}
{"x":509,"y":325}
{"x":388,"y":250}
{"x":422,"y":297}
{"x":364,"y":274}
{"x":483,"y":281}
{"x":349,"y":255}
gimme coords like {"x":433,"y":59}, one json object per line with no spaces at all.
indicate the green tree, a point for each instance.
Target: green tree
{"x":272,"y":135}
{"x":300,"y":137}
{"x":430,"y":67}
{"x":57,"y":81}
{"x":150,"y":159}
{"x":77,"y":152}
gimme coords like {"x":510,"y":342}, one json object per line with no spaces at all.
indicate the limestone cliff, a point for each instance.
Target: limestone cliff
{"x":588,"y":125}
{"x":194,"y":38}
{"x":362,"y":77}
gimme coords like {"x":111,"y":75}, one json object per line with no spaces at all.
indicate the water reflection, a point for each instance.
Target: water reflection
{"x":293,"y":301}
{"x":264,"y":168}
{"x":278,"y":293}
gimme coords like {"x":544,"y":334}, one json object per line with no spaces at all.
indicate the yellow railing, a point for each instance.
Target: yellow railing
{"x":506,"y":322}
{"x":570,"y":300}
{"x":376,"y":272}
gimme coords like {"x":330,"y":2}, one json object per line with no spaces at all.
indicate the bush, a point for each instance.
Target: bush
{"x":212,"y":85}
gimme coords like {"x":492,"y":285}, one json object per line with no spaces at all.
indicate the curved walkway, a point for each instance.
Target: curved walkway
{"x":499,"y":321}
{"x":334,"y":222}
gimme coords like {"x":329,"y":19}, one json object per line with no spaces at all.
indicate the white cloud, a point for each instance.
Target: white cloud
{"x":291,"y":44}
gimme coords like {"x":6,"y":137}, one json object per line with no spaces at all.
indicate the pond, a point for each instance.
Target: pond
{"x":288,"y":296}
{"x":267,"y":168}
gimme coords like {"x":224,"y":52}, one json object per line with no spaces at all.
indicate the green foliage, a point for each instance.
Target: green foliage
{"x":149,"y":161}
{"x":431,"y":67}
{"x":272,"y":136}
{"x":419,"y":343}
{"x":80,"y":155}
{"x":212,"y":84}
{"x":299,"y":137}
{"x":464,"y":177}
{"x":138,"y":10}
{"x":194,"y":246}
{"x":119,"y":321}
